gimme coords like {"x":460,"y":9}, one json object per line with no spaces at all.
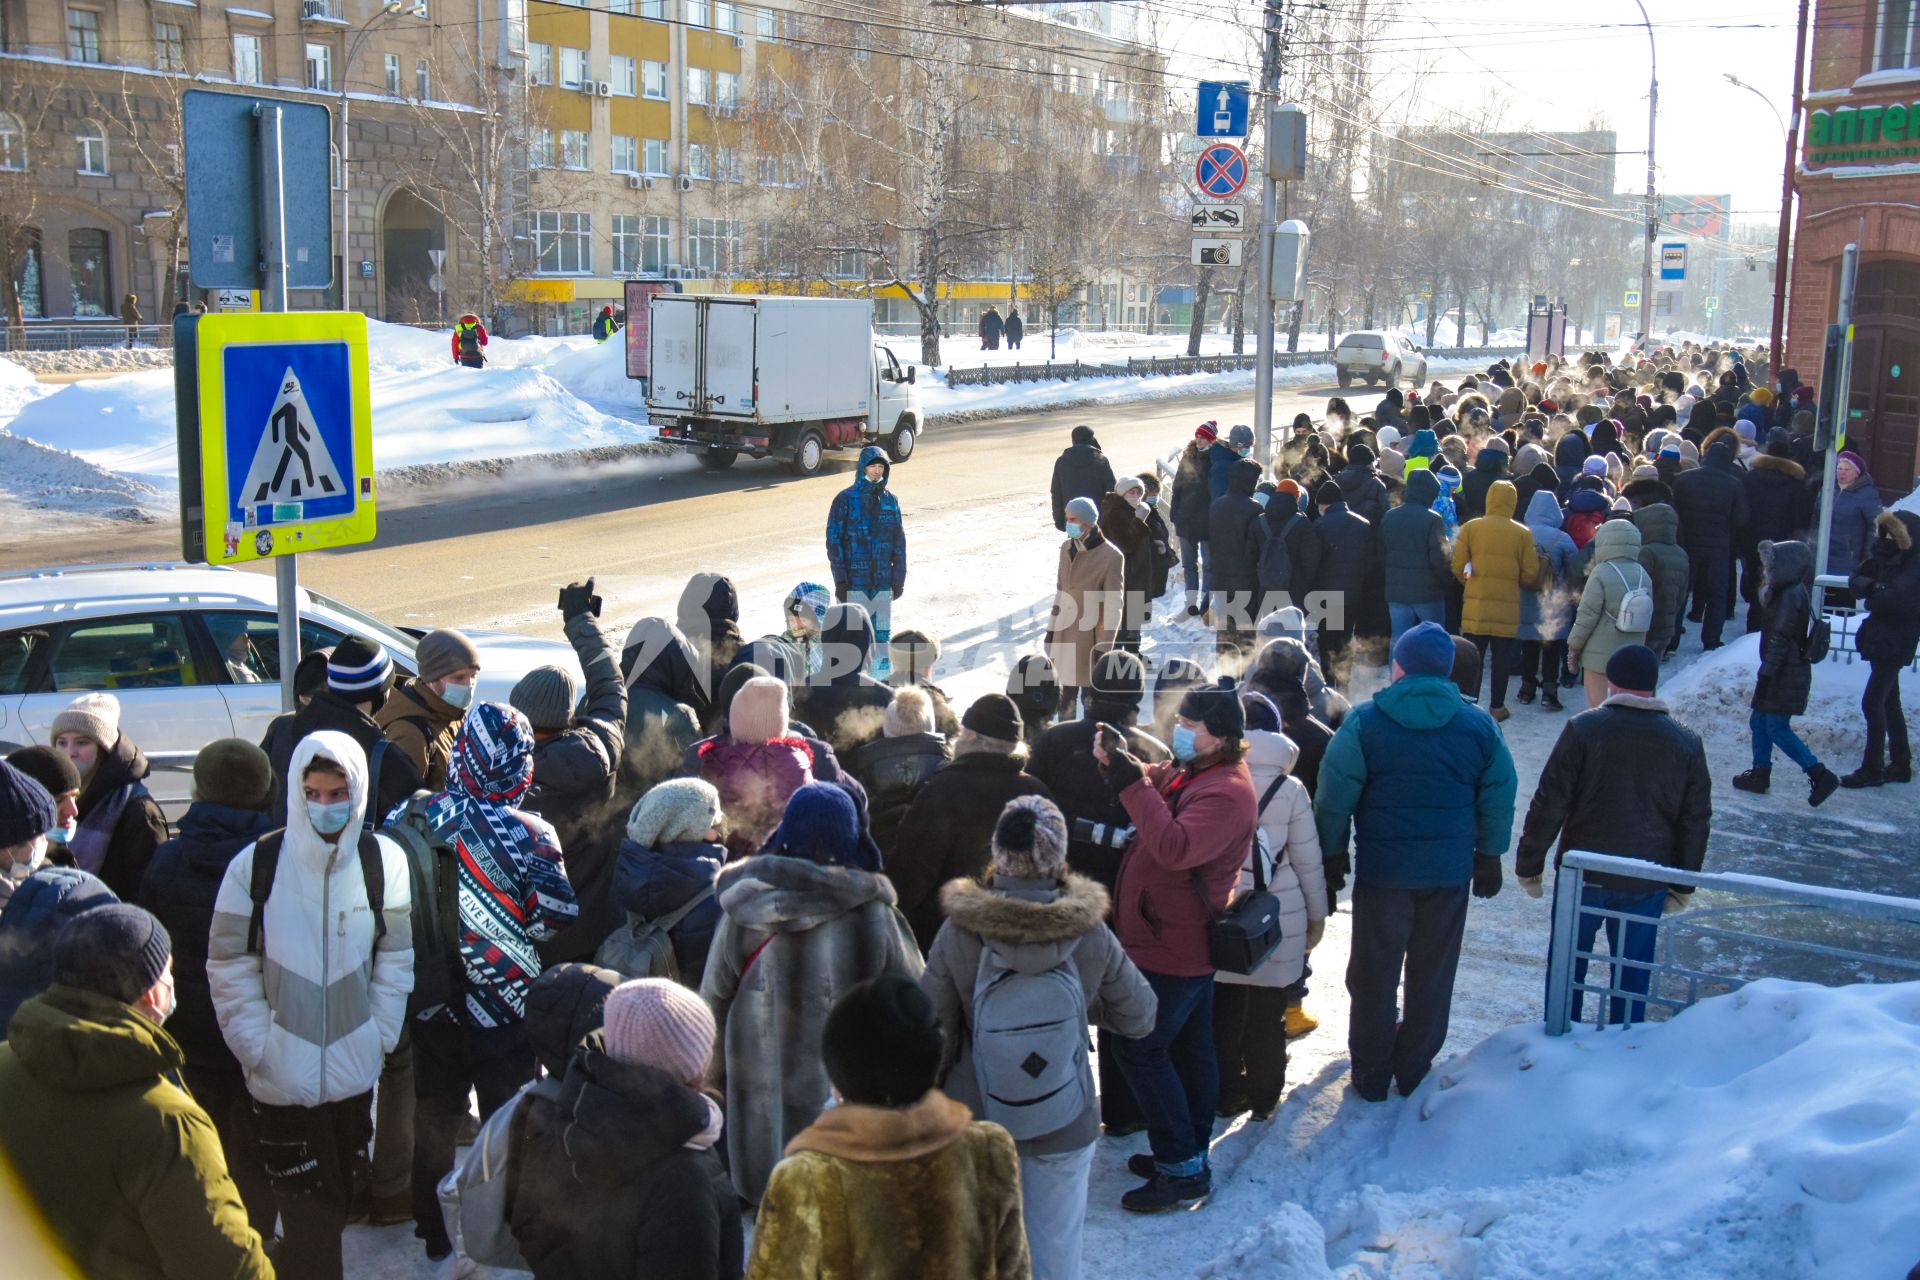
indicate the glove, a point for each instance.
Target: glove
{"x":577,"y":598}
{"x":1676,"y":902}
{"x":1533,"y":886}
{"x":1486,"y":875}
{"x":1122,"y":770}
{"x":1338,"y":868}
{"x":1316,"y":930}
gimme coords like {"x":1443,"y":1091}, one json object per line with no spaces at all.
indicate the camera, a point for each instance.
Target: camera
{"x":1218,"y":255}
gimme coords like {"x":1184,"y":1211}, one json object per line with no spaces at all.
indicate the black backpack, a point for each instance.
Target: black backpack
{"x":1276,"y":561}
{"x":433,"y":866}
{"x":266,"y":863}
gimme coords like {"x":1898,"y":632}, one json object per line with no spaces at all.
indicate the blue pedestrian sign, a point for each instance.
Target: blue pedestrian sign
{"x":1221,"y":170}
{"x":1222,"y":109}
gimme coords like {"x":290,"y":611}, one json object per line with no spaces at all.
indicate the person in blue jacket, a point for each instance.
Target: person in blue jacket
{"x":867,"y":549}
{"x":1423,"y":783}
{"x":668,"y":862}
{"x":1221,"y":456}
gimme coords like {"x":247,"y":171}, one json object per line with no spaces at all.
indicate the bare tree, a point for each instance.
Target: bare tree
{"x":29,"y":105}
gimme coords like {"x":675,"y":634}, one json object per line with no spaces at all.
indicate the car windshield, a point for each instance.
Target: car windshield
{"x":398,"y":643}
{"x":1369,"y":341}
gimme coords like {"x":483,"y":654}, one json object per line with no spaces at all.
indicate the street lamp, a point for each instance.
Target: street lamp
{"x":390,"y":9}
{"x":1653,"y":217}
{"x":1738,"y":83}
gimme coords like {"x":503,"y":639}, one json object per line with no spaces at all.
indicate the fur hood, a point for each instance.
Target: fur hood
{"x":1015,"y":914}
{"x":778,"y":894}
{"x":1720,"y":435}
{"x":1897,"y":527}
{"x":885,"y":1135}
{"x":1785,"y":466}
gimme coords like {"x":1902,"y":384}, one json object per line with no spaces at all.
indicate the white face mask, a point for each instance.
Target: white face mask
{"x":35,"y":859}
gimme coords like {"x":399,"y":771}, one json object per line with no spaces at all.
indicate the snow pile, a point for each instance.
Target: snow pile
{"x":95,"y":360}
{"x":36,"y":481}
{"x":17,"y":386}
{"x":1767,"y":1132}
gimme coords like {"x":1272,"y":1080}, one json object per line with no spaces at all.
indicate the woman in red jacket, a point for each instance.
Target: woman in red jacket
{"x":1193,"y":823}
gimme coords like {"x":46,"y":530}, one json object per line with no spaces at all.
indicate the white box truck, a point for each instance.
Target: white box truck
{"x":770,"y":377}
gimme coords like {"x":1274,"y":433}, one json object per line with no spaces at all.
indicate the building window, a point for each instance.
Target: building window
{"x":653,"y":155}
{"x":624,"y":75}
{"x":246,"y":60}
{"x":713,"y":245}
{"x":725,"y":17}
{"x":620,"y":6}
{"x":626,"y":244}
{"x":656,"y":245}
{"x":13,"y":145}
{"x":27,"y":276}
{"x":573,"y":67}
{"x":319,"y":66}
{"x":655,"y":9}
{"x":726,"y":90}
{"x":336,"y":178}
{"x":1899,"y":44}
{"x":863,"y":45}
{"x":726,"y":164}
{"x":83,"y":35}
{"x":393,"y":75}
{"x":169,"y":46}
{"x":766,"y":25}
{"x":539,"y":64}
{"x":92,"y":141}
{"x":624,"y":155}
{"x":540,"y":149}
{"x":87,"y":268}
{"x":653,"y":80}
{"x":699,"y":163}
{"x":698,"y":13}
{"x":766,"y":170}
{"x":576,"y":149}
{"x":422,"y":81}
{"x":563,"y":243}
{"x":699,"y":81}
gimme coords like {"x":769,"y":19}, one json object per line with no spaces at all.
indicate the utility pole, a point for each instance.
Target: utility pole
{"x":1778,"y":355}
{"x":1653,"y":209}
{"x":1273,"y":20}
{"x":1835,"y":428}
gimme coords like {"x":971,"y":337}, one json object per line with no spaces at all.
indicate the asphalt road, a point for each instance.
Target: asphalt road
{"x":492,"y":552}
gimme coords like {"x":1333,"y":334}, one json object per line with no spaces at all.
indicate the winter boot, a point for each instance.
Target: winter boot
{"x":1550,"y":701}
{"x":1142,"y":1165}
{"x":1821,"y":783}
{"x":1756,"y":780}
{"x":1161,"y":1193}
{"x":1525,"y":696}
{"x":1300,"y":1022}
{"x":1864,"y":776}
{"x":1900,"y":771}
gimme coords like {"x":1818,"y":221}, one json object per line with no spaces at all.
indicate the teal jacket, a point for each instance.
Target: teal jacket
{"x":1422,"y":780}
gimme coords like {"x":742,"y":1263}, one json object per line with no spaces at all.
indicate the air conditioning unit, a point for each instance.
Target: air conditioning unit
{"x":588,"y":87}
{"x":606,"y":88}
{"x":739,"y":42}
{"x":685,"y":183}
{"x":639,"y":182}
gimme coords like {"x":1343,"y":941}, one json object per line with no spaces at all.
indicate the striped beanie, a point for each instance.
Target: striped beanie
{"x":359,"y":668}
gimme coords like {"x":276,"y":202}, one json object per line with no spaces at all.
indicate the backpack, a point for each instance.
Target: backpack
{"x":1030,"y":1046}
{"x":476,"y":1196}
{"x":1819,"y":639}
{"x":1635,"y":610}
{"x":1276,"y":562}
{"x":469,"y":341}
{"x":644,"y":948}
{"x":266,"y":863}
{"x":433,"y":866}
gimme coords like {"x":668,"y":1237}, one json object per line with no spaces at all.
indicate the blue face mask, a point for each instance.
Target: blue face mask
{"x":1263,"y":498}
{"x":458,"y":696}
{"x":330,"y":819}
{"x":1076,"y":530}
{"x":1183,"y":744}
{"x":1153,"y":499}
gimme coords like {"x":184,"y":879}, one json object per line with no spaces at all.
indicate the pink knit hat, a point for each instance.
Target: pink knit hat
{"x":656,"y":1022}
{"x":759,"y":711}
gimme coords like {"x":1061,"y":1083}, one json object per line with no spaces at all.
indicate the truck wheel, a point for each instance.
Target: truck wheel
{"x":1346,"y":378}
{"x":1393,"y":377}
{"x":900,"y":443}
{"x":1373,"y":379}
{"x":809,"y":453}
{"x":717,"y":459}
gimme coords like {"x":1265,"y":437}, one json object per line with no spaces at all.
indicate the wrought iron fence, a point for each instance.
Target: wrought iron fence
{"x":1753,"y":927}
{"x":1162,"y":366}
{"x":72,"y":337}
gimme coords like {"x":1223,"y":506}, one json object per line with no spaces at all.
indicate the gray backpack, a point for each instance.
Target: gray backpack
{"x":644,"y":948}
{"x":1030,"y":1046}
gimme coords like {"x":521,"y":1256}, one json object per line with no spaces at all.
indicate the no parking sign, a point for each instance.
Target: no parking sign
{"x":1221,"y":170}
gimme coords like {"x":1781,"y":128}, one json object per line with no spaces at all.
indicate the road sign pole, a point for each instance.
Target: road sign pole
{"x":273,"y":297}
{"x":1842,"y":379}
{"x":1269,"y":208}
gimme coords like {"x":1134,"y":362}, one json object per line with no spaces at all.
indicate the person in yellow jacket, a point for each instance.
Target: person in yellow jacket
{"x":1495,"y":558}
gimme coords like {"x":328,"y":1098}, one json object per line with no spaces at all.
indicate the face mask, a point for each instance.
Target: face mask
{"x":1153,"y":500}
{"x":458,"y":696}
{"x":169,"y":1001}
{"x":1183,"y":744}
{"x":1244,"y":450}
{"x":63,"y":835}
{"x":33,"y":862}
{"x":1076,"y":530}
{"x":331,"y":819}
{"x":1263,"y":498}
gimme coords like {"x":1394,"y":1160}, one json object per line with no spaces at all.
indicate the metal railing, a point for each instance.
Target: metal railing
{"x":1163,"y":366}
{"x":1710,"y":950}
{"x":1844,"y":622}
{"x":71,"y":337}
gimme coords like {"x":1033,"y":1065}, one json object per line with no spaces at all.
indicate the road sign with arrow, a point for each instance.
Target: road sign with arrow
{"x":1221,"y":109}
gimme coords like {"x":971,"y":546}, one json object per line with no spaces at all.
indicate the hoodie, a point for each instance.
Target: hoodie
{"x":1547,"y":611}
{"x":1661,"y":556}
{"x":866,"y":538}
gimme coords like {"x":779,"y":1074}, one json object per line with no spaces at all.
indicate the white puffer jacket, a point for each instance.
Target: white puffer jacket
{"x":1292,"y":845}
{"x":312,"y":1019}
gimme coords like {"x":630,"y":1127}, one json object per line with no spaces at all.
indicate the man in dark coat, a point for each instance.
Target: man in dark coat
{"x":658,"y":664}
{"x":1192,"y":500}
{"x":1625,"y":779}
{"x":1287,"y":572}
{"x":842,"y":703}
{"x":1414,"y":556}
{"x":1236,"y":535}
{"x":1221,"y":456}
{"x":1887,"y":584}
{"x":576,"y":758}
{"x":991,"y":327}
{"x":1360,"y":485}
{"x":1081,"y":471}
{"x":359,"y":677}
{"x":1488,"y":466}
{"x":1712,"y":502}
{"x":1281,"y":673}
{"x":1016,"y":329}
{"x":1346,"y":555}
{"x":948,"y":830}
{"x":1779,"y":507}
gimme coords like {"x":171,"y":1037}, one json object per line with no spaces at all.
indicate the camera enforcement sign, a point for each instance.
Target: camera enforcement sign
{"x":275,"y":434}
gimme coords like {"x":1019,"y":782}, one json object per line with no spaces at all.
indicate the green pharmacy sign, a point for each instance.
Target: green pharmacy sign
{"x":1882,"y":133}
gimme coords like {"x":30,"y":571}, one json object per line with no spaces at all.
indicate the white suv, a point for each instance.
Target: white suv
{"x":191,"y":652}
{"x":1378,"y":356}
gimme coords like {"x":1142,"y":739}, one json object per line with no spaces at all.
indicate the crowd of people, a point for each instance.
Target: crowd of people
{"x":769,"y":931}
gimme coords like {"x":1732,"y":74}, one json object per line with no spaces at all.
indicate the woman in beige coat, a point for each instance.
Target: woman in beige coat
{"x":1089,"y":595}
{"x":1596,"y":634}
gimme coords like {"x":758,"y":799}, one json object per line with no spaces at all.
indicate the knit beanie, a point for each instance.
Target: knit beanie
{"x":97,"y":715}
{"x":1241,"y":435}
{"x":656,"y":1022}
{"x":1086,"y":511}
{"x":1262,"y":715}
{"x":563,"y":1007}
{"x":758,"y":713}
{"x":821,"y":825}
{"x":118,"y":950}
{"x":1034,"y":687}
{"x":678,"y":811}
{"x":235,"y":773}
{"x":545,"y":696}
{"x":1360,"y":455}
{"x":1595,"y":465}
{"x":50,"y":768}
{"x":359,"y":669}
{"x":1779,"y":442}
{"x":1327,"y":494}
{"x":910,"y":712}
{"x":1119,"y":676}
{"x":1424,"y":650}
{"x":1218,"y":708}
{"x":1646,"y":471}
{"x":26,"y":808}
{"x":1030,"y":840}
{"x":1388,"y":436}
{"x":1634,"y":667}
{"x":441,"y":653}
{"x":1205,"y":433}
{"x":913,"y":652}
{"x":882,"y":1044}
{"x":810,"y":598}
{"x":994,"y":716}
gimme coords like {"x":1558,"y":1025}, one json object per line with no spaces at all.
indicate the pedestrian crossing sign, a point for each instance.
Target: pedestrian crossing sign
{"x":275,"y":434}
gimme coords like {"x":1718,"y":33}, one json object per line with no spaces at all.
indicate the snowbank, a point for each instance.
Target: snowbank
{"x":94,"y":359}
{"x":37,"y":483}
{"x":17,"y":386}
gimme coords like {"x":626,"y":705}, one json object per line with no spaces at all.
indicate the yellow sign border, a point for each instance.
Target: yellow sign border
{"x":214,"y":334}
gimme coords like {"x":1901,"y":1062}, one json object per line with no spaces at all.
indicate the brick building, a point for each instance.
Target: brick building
{"x":1859,"y":183}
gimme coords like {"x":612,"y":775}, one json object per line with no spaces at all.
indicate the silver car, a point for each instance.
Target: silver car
{"x":1378,"y":356}
{"x":192,"y":653}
